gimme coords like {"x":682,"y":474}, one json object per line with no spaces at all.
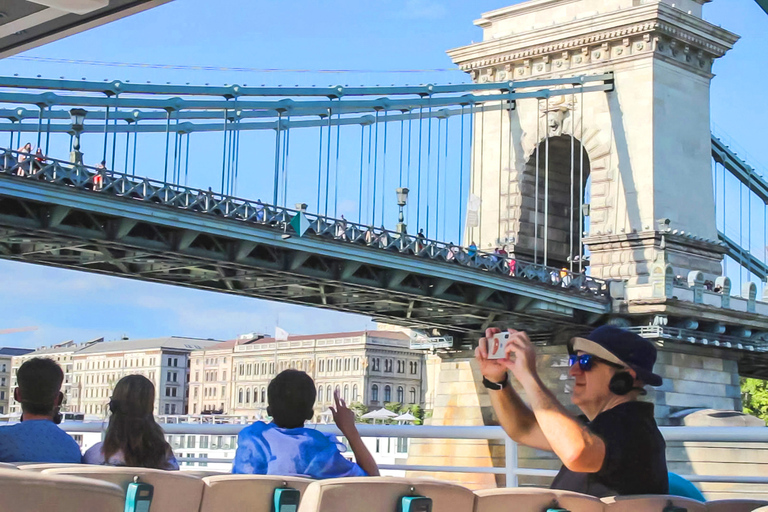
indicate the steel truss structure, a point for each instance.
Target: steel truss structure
{"x":77,"y":217}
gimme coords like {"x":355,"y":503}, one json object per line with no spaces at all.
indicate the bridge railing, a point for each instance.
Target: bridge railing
{"x":289,"y":221}
{"x":511,"y":468}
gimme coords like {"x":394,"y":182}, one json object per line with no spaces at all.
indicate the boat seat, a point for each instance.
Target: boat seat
{"x":27,"y":490}
{"x":8,"y":465}
{"x":534,"y":499}
{"x":174,"y":491}
{"x":41,"y":466}
{"x":735,"y":505}
{"x":382,"y":494}
{"x":245,"y":492}
{"x":651,"y":503}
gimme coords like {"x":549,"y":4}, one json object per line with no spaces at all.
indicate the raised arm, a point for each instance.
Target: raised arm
{"x":517,"y":420}
{"x":344,"y":418}
{"x":579,"y":449}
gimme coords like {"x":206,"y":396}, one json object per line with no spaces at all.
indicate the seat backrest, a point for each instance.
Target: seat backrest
{"x":41,"y":466}
{"x":761,"y":509}
{"x":651,"y":503}
{"x":26,"y":490}
{"x":534,"y":498}
{"x":245,"y":492}
{"x":202,"y":473}
{"x":735,"y":505}
{"x":382,"y":494}
{"x":174,"y":491}
{"x":8,"y":465}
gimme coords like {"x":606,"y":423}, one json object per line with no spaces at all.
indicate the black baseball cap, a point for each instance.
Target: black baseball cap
{"x":621,"y":347}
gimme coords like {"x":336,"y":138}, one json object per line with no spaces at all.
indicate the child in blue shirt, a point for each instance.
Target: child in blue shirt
{"x":285,"y":447}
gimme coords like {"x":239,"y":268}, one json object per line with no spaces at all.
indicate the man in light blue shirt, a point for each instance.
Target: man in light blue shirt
{"x":37,"y":438}
{"x":285,"y":447}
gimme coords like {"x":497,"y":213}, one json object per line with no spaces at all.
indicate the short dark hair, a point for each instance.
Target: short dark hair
{"x":291,"y":397}
{"x":39,"y":382}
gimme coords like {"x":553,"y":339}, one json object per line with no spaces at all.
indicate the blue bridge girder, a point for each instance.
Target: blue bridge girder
{"x":76,"y":217}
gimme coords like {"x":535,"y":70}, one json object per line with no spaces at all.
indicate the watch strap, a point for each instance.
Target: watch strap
{"x":496,"y":386}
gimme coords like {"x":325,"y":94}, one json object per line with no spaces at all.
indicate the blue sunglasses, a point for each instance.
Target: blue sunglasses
{"x":587,"y":360}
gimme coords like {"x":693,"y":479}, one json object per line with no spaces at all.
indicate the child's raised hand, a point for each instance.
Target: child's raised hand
{"x":343,"y":416}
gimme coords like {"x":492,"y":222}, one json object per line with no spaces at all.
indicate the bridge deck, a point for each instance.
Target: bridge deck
{"x":60,"y":215}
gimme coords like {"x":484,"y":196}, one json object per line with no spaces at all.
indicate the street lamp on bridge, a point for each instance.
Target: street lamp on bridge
{"x":77,"y":115}
{"x":402,"y":198}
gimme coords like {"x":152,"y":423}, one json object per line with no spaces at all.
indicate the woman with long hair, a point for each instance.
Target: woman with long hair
{"x":133,"y":437}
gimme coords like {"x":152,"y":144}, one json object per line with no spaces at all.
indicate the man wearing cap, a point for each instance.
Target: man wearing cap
{"x":615,"y":448}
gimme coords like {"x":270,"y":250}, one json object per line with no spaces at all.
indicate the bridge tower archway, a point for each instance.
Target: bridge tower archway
{"x":648,"y":140}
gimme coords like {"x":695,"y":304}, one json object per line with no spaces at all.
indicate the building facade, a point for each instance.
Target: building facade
{"x":369,"y":367}
{"x":62,"y":354}
{"x":164,"y":361}
{"x":210,"y":384}
{"x":6,"y":375}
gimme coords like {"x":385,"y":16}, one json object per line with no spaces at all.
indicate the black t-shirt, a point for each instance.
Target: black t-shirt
{"x":635,"y":460}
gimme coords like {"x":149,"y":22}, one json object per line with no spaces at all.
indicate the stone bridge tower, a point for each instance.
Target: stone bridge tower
{"x":629,"y":184}
{"x":646,"y":145}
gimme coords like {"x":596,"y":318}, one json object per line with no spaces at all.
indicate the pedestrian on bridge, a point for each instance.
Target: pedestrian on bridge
{"x":25,"y":152}
{"x":615,"y":447}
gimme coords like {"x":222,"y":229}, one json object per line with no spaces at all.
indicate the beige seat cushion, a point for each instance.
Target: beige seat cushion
{"x":382,"y":494}
{"x":26,"y":490}
{"x":202,"y":473}
{"x":735,"y":505}
{"x":8,"y":465}
{"x":650,"y":503}
{"x":174,"y":491}
{"x":245,"y":492}
{"x":40,"y":466}
{"x":533,"y":498}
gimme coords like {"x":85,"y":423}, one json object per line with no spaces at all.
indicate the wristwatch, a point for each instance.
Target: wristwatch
{"x":496,"y":386}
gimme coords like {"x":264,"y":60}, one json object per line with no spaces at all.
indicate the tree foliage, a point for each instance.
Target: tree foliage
{"x":754,"y":396}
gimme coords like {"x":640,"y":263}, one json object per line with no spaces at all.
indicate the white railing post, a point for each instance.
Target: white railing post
{"x":510,"y":462}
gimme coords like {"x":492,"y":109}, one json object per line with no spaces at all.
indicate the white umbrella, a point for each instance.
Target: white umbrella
{"x":405,"y":417}
{"x":380,"y":414}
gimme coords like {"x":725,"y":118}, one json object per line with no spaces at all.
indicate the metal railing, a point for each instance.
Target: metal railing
{"x":286,"y":220}
{"x":511,"y":469}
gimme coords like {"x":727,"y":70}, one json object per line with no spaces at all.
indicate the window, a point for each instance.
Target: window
{"x":173,"y":408}
{"x":346,"y":364}
{"x":356,"y":364}
{"x":414,"y":367}
{"x":375,"y":393}
{"x":328,"y":393}
{"x":203,"y":456}
{"x":263,"y":395}
{"x":321,"y":366}
{"x":197,"y":391}
{"x":204,"y":442}
{"x":413,"y":396}
{"x":240,"y":396}
{"x":167,"y":408}
{"x":400,"y":394}
{"x":194,"y":408}
{"x":355,"y":398}
{"x":338,"y":364}
{"x":402,"y":445}
{"x":320,"y":393}
{"x":248,"y":396}
{"x":346,"y":392}
{"x":387,"y":393}
{"x":191,"y":440}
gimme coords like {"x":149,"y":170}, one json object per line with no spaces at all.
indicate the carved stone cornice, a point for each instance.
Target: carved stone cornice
{"x":653,"y":30}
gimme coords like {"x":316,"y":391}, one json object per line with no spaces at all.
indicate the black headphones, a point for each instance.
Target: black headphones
{"x":622,"y":383}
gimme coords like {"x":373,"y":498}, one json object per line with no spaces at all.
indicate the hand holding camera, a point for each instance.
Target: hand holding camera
{"x":500,"y":351}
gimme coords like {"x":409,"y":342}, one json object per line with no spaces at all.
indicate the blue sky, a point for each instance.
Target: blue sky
{"x":379,"y":37}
